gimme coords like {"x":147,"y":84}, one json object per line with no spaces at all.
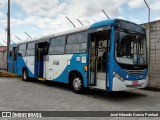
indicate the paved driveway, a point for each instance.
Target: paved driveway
{"x":17,"y":95}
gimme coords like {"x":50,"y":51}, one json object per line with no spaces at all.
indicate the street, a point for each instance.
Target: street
{"x":18,"y":95}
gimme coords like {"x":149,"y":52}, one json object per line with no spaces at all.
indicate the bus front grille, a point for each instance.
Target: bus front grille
{"x":134,"y":71}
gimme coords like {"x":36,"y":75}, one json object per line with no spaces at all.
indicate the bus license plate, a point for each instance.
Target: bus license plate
{"x":135,"y":83}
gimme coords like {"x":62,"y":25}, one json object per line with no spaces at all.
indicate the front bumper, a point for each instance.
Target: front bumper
{"x":119,"y":85}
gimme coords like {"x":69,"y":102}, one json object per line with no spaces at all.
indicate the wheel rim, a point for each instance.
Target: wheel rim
{"x":25,"y":75}
{"x":77,"y":83}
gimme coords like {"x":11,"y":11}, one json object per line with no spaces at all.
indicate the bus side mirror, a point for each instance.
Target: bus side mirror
{"x":116,"y":36}
{"x":117,"y":26}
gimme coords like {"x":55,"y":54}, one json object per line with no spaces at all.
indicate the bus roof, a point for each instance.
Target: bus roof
{"x":102,"y":23}
{"x":83,"y":28}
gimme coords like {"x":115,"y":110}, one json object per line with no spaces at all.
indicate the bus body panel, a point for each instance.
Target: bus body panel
{"x":127,"y":82}
{"x":119,"y":85}
{"x":102,"y":23}
{"x":21,"y":64}
{"x":29,"y":61}
{"x":111,"y":64}
{"x":60,"y":66}
{"x":55,"y":65}
{"x":25,"y":62}
{"x":10,"y":64}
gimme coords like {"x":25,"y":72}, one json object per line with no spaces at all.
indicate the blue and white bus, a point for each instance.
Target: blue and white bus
{"x":109,"y":55}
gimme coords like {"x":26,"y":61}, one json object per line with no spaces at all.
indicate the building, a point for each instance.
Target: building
{"x":3,"y":57}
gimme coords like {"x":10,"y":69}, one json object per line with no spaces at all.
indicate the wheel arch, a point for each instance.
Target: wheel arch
{"x":25,"y":68}
{"x":72,"y":73}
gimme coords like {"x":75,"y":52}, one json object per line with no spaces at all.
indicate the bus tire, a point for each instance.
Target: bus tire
{"x":24,"y":75}
{"x":77,"y":83}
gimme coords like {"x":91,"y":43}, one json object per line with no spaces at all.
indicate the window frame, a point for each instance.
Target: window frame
{"x":56,"y":53}
{"x":22,"y":50}
{"x":29,"y":54}
{"x":32,"y":43}
{"x":32,"y":48}
{"x":86,"y":37}
{"x":65,"y":37}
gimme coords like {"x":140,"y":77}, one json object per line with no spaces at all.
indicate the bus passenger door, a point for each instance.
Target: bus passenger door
{"x":98,"y":59}
{"x":39,"y":58}
{"x":92,"y":61}
{"x":14,"y":59}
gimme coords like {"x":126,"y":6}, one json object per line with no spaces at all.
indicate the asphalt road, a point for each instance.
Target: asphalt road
{"x":17,"y":95}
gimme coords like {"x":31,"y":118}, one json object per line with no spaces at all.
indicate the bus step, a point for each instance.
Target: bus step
{"x":41,"y":79}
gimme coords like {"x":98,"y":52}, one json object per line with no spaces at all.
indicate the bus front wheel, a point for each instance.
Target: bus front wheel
{"x":25,"y":75}
{"x":77,"y":84}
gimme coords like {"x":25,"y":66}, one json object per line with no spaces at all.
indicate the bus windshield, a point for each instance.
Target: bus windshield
{"x":130,"y":47}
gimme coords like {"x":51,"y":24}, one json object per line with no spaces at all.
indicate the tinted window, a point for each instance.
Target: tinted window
{"x":15,"y":53}
{"x":83,"y":47}
{"x":30,"y":52}
{"x":31,"y":45}
{"x":22,"y":50}
{"x":77,"y":38}
{"x":59,"y":41}
{"x":22,"y":47}
{"x":56,"y":50}
{"x":75,"y":48}
{"x":30,"y":49}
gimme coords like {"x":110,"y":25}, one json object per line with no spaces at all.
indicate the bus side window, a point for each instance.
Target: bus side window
{"x":15,"y":53}
{"x":30,"y":49}
{"x":108,"y":40}
{"x":76,"y":43}
{"x":57,"y":45}
{"x":22,"y":50}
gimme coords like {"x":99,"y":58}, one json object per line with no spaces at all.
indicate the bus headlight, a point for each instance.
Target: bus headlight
{"x":118,"y":76}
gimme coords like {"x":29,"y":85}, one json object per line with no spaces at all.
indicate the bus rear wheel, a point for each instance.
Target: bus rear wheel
{"x":25,"y":75}
{"x":77,"y":84}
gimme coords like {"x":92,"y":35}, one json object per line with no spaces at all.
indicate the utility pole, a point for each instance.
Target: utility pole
{"x":148,"y":10}
{"x":8,"y":31}
{"x":149,"y":37}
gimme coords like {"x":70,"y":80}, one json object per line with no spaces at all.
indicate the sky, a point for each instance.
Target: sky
{"x":44,"y":17}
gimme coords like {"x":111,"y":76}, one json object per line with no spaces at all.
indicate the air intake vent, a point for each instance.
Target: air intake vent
{"x":134,"y":71}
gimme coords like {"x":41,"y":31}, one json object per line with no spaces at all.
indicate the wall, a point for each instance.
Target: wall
{"x":3,"y":57}
{"x":154,"y":52}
